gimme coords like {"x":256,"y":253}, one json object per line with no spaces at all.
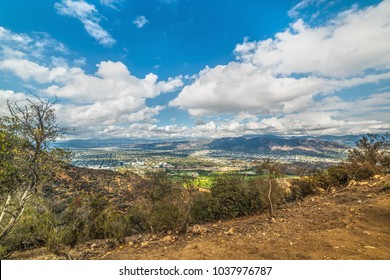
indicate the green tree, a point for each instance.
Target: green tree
{"x":27,"y":159}
{"x":371,"y":156}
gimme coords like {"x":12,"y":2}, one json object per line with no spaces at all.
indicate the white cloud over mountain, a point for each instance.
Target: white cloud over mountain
{"x":288,"y":84}
{"x":281,"y":77}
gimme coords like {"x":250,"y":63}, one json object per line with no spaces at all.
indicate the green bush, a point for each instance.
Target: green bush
{"x":338,"y":175}
{"x":235,"y":196}
{"x":165,"y":207}
{"x":113,"y":224}
{"x":204,"y":208}
{"x":278,"y":194}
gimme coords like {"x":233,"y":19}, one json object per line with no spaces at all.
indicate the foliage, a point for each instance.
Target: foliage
{"x":235,"y":196}
{"x":27,"y":159}
{"x":166,"y":207}
{"x":205,"y":208}
{"x":371,"y":156}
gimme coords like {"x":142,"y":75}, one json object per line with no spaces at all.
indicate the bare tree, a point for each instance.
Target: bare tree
{"x":273,"y":172}
{"x":27,"y":156}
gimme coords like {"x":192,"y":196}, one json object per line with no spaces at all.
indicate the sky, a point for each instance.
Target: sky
{"x":189,"y":69}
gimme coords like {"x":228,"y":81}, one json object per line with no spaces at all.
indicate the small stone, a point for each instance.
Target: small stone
{"x":167,"y":239}
{"x":197,"y":229}
{"x":230,"y":231}
{"x":291,"y":243}
{"x":145,"y":244}
{"x":369,"y":247}
{"x":367,"y":232}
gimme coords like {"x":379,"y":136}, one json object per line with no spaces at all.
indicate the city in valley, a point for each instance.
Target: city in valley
{"x":204,"y":157}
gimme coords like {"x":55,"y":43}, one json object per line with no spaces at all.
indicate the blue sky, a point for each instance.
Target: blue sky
{"x":181,"y":68}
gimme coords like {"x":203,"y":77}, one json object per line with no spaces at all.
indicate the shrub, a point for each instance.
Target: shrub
{"x":165,"y":208}
{"x":301,"y":188}
{"x":204,"y":208}
{"x":371,"y":156}
{"x":338,"y":175}
{"x":113,"y":224}
{"x":235,"y":196}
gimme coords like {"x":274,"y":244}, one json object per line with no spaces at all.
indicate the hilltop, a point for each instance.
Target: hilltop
{"x":348,"y":223}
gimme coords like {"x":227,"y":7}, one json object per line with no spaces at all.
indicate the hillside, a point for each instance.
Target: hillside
{"x":120,"y":189}
{"x":352,"y":223}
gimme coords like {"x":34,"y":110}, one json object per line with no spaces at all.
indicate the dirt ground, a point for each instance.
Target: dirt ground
{"x":353,"y":223}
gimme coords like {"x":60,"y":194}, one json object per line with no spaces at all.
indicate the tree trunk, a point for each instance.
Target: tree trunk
{"x":271,"y":206}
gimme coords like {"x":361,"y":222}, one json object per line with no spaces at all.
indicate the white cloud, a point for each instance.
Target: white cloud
{"x":89,"y":17}
{"x":111,"y":3}
{"x":282,"y":79}
{"x":243,"y":87}
{"x":140,"y":21}
{"x":10,"y":95}
{"x":110,"y":97}
{"x":349,"y":45}
{"x":28,"y":70}
{"x":37,"y":45}
{"x":295,"y":11}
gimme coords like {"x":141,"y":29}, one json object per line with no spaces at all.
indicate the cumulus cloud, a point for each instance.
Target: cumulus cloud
{"x":89,"y":17}
{"x":140,"y":21}
{"x":281,"y":79}
{"x":28,"y":70}
{"x":243,"y":87}
{"x":349,"y":45}
{"x":111,"y":97}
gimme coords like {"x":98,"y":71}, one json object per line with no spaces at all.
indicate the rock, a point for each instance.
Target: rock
{"x":377,"y":177}
{"x":352,"y":183}
{"x":369,"y":247}
{"x":167,"y":239}
{"x":230,"y":231}
{"x":145,"y":244}
{"x":367,"y":232}
{"x":197,"y":229}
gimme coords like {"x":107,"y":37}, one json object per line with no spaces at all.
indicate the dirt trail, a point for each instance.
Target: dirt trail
{"x":350,"y":224}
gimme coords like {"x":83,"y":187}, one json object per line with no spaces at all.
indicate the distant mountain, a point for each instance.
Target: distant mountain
{"x":272,"y":143}
{"x":320,"y":146}
{"x":243,"y":143}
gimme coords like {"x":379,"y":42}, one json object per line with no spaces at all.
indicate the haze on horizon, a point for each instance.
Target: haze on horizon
{"x":181,"y":68}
